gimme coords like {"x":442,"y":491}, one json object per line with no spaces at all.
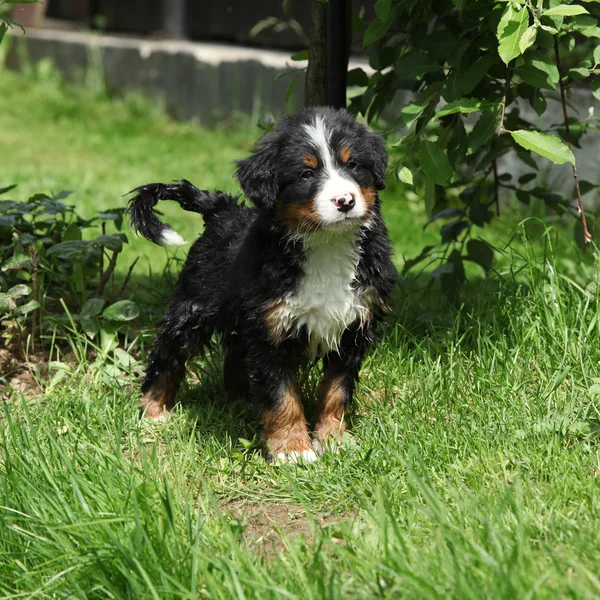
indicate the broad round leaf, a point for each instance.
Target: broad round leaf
{"x":123,"y":310}
{"x":92,"y":308}
{"x":405,"y":175}
{"x":480,"y":252}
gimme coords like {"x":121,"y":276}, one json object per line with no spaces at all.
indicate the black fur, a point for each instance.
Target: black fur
{"x":247,"y":259}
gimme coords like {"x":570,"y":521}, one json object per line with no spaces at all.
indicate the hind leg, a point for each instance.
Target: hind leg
{"x":184,"y":331}
{"x":235,"y":374}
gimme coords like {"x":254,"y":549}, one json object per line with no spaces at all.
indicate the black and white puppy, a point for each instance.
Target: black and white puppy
{"x":303,"y":274}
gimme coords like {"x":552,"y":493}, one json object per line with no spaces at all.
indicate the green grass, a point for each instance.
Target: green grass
{"x":472,"y":468}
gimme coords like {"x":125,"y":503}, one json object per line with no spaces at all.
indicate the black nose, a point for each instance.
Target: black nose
{"x":344,"y":203}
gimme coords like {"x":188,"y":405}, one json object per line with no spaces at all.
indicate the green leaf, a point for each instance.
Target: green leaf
{"x":535,"y":77}
{"x":3,"y":30}
{"x":429,"y":196}
{"x":7,"y":188}
{"x":446,"y":213}
{"x":357,"y":77}
{"x":92,"y":308}
{"x":405,"y":175}
{"x":481,"y":253}
{"x":476,"y":72}
{"x":72,"y":232}
{"x":483,"y":130}
{"x":545,"y":144}
{"x":510,"y":32}
{"x":18,"y":261}
{"x":435,"y":163}
{"x":18,"y":291}
{"x":414,"y":65}
{"x":412,"y":111}
{"x":123,"y":310}
{"x":383,"y":9}
{"x":90,"y":325}
{"x":439,"y":45}
{"x":579,"y":73}
{"x":544,"y":63}
{"x":27,"y":308}
{"x":597,"y":55}
{"x":62,"y":195}
{"x":565,"y":10}
{"x":71,"y":250}
{"x":7,"y":304}
{"x":112,"y":242}
{"x":596,"y":87}
{"x":463,"y":105}
{"x":299,"y":56}
{"x":528,"y":38}
{"x":376,"y":30}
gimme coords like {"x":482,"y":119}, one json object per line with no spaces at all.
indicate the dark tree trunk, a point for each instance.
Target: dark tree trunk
{"x":173,"y":19}
{"x":338,"y":49}
{"x":328,"y":53}
{"x":315,"y":87}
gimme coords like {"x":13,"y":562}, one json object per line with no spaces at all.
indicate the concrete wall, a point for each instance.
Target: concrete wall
{"x":204,"y":81}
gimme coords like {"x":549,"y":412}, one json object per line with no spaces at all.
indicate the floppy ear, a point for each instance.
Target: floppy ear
{"x":257,"y":174}
{"x":378,"y":158}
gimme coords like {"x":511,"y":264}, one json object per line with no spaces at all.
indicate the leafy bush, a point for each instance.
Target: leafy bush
{"x":50,"y":276}
{"x":472,"y":66}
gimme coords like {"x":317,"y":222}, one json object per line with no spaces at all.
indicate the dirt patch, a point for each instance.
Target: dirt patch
{"x":21,"y":376}
{"x":269,"y":526}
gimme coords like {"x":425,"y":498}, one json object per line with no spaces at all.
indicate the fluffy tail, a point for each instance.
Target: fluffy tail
{"x":146,"y":223}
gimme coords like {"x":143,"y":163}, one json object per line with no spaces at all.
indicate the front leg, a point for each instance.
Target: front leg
{"x":273,"y":382}
{"x":336,"y":390}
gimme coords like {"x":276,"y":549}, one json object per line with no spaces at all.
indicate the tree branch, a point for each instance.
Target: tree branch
{"x":586,"y":234}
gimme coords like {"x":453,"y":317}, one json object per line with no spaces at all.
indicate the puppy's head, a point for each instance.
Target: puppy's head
{"x":319,"y":169}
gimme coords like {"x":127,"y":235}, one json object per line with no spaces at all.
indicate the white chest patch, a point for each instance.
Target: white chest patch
{"x":325,"y":302}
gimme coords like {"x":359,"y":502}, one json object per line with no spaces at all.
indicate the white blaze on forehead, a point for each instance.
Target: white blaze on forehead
{"x":319,"y":137}
{"x":334,"y":183}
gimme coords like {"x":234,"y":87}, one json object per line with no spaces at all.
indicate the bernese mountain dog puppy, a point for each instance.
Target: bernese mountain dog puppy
{"x":302,"y":275}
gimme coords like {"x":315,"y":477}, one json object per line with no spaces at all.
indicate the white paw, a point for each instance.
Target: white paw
{"x":296,"y":457}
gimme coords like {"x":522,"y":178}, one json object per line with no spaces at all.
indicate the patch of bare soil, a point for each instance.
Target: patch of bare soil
{"x":19,"y":375}
{"x":268,"y":526}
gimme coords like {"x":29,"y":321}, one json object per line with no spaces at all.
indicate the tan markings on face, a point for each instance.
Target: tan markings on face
{"x":345,"y":154}
{"x":330,"y":410}
{"x":370,"y":195}
{"x":160,"y":399}
{"x":301,"y":216}
{"x":310,"y":161}
{"x":285,"y":428}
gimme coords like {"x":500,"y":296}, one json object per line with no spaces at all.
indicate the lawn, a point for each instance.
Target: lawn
{"x":471,"y":470}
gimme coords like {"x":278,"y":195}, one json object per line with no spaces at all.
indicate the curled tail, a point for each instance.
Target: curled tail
{"x":146,"y":223}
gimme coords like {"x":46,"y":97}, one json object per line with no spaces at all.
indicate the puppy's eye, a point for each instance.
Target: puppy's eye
{"x":307,"y":174}
{"x":351,"y":165}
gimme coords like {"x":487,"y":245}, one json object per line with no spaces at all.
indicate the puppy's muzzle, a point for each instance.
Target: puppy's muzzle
{"x":344,"y":203}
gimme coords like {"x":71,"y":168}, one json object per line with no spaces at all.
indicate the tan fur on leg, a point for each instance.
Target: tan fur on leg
{"x":331,"y":424}
{"x":159,"y":400}
{"x":285,"y":429}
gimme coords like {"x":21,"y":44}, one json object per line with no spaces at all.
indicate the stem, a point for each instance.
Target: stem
{"x":506,"y":88}
{"x":586,"y":234}
{"x":36,"y":296}
{"x":496,"y":185}
{"x":106,"y":275}
{"x":126,"y":281}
